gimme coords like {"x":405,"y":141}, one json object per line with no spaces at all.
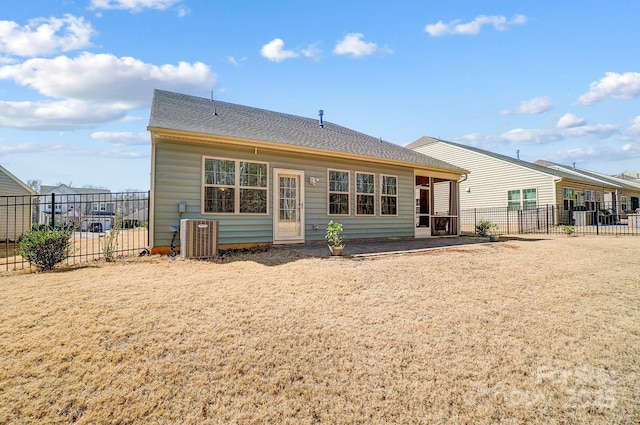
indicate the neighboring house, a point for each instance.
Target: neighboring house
{"x":629,"y":175}
{"x":76,"y":206}
{"x":269,"y":177}
{"x":623,"y":200}
{"x":136,"y":218}
{"x":15,"y":206}
{"x":499,"y":181}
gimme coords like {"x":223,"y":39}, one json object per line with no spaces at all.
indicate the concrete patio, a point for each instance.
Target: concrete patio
{"x":364,"y":248}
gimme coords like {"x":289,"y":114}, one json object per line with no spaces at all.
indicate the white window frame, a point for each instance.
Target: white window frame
{"x":385,"y":195}
{"x":329,"y":192}
{"x":371,"y":194}
{"x":236,"y":187}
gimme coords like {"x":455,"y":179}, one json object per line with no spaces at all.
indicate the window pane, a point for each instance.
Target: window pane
{"x":253,"y":201}
{"x":338,"y":203}
{"x":389,"y":185}
{"x":365,"y":205}
{"x":514,"y":195}
{"x":529,"y":199}
{"x":219,"y":171}
{"x":219,"y":200}
{"x":389,"y":205}
{"x":338,"y":181}
{"x":253,"y":174}
{"x":364,"y":183}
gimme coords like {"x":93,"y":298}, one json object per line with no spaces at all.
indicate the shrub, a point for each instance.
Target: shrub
{"x":45,"y":247}
{"x":568,"y":230}
{"x":334,"y":234}
{"x":110,"y":241}
{"x":483,"y":227}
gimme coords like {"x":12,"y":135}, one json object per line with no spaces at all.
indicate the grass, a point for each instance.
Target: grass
{"x":535,"y":332}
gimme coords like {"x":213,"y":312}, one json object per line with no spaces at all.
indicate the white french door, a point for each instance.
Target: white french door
{"x":288,"y":206}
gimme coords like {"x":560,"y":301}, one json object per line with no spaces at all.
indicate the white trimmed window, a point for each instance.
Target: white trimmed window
{"x":338,"y":192}
{"x":234,"y":187}
{"x":365,"y":194}
{"x":513,"y":200}
{"x":526,"y":199}
{"x":388,"y":195}
{"x":529,"y":199}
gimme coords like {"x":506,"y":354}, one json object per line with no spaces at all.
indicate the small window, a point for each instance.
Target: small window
{"x":234,"y":187}
{"x":388,"y":195}
{"x":529,"y":199}
{"x":568,"y":197}
{"x":623,"y":203}
{"x":365,"y":194}
{"x":338,"y":192}
{"x":513,"y":199}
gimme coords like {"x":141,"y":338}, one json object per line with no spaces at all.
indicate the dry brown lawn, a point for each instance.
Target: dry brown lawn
{"x":517,"y":332}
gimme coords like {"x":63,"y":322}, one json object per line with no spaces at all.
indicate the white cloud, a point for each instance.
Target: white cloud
{"x":312,"y":51}
{"x":133,"y":5}
{"x":236,"y":61}
{"x":60,"y":115}
{"x":45,"y":36}
{"x":632,"y":149}
{"x":612,"y":86}
{"x":352,"y":44}
{"x":94,"y":89}
{"x":457,"y":27}
{"x":126,"y":81}
{"x":537,"y":105}
{"x":570,"y":120}
{"x":634,"y":130}
{"x":28,"y":148}
{"x":275,"y":51}
{"x":540,"y":136}
{"x":122,"y":138}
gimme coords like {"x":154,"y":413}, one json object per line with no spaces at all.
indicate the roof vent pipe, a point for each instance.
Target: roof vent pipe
{"x":518,"y":154}
{"x":321,"y":113}
{"x":574,"y":165}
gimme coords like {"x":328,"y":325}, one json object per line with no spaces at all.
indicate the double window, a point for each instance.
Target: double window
{"x":338,"y":192}
{"x":234,"y":186}
{"x":526,"y":199}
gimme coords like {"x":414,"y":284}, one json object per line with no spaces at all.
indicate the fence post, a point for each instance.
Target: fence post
{"x":547,"y":219}
{"x":148,"y":216}
{"x":53,"y":210}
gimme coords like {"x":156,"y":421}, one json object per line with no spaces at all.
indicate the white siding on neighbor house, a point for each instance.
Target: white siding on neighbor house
{"x":15,"y":208}
{"x":491,"y":178}
{"x":178,"y":178}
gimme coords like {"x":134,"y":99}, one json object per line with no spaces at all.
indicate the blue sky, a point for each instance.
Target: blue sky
{"x":553,"y":80}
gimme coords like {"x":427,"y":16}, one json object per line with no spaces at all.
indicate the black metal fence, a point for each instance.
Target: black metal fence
{"x":551,"y":219}
{"x":122,"y":218}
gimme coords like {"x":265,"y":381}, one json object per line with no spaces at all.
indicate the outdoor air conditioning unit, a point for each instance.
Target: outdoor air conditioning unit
{"x":198,"y":238}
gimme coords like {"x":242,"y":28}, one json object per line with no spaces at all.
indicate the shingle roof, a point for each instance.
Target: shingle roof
{"x":540,"y":168}
{"x":174,"y":111}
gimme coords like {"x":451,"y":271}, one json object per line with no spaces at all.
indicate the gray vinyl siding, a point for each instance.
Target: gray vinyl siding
{"x":178,"y":177}
{"x":15,"y":217}
{"x":490,"y":178}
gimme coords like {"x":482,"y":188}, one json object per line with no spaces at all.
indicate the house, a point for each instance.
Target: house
{"x":500,"y":181}
{"x":625,"y":199}
{"x":275,"y":178}
{"x":15,"y":206}
{"x":76,"y":206}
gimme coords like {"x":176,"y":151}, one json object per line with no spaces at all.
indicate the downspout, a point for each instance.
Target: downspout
{"x":463,"y":178}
